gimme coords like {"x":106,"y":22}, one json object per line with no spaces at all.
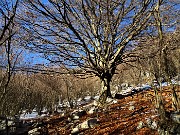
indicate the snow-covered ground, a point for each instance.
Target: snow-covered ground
{"x":32,"y":115}
{"x":29,"y":115}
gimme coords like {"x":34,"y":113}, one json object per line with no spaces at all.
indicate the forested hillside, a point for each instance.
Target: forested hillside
{"x":89,"y":67}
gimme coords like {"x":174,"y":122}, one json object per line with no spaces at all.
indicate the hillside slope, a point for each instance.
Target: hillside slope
{"x":132,"y":115}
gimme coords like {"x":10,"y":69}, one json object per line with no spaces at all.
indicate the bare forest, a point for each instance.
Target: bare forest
{"x":89,"y":67}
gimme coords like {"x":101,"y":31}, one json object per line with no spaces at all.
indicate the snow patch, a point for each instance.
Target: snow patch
{"x":29,"y":115}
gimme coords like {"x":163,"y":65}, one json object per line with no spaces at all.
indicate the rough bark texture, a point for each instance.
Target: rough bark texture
{"x":105,"y":88}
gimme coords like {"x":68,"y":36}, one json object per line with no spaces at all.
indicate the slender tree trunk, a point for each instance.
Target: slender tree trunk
{"x":175,"y":99}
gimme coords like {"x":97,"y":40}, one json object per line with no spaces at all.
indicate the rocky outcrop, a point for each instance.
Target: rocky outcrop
{"x":90,"y":123}
{"x":176,"y":117}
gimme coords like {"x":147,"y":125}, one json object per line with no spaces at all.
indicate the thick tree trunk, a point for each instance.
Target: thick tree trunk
{"x":105,"y":89}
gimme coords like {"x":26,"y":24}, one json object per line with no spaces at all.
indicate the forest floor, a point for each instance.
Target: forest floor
{"x":119,"y":118}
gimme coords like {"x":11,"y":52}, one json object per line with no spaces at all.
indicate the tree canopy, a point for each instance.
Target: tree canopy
{"x":91,"y":35}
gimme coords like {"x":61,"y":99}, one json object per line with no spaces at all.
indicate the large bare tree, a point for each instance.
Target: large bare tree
{"x":91,"y":35}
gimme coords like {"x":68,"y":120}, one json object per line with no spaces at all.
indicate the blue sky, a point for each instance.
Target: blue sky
{"x":34,"y":58}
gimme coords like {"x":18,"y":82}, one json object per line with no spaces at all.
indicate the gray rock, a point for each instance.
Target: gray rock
{"x":131,"y":108}
{"x":111,"y":101}
{"x":140,"y":125}
{"x":2,"y":125}
{"x":154,"y":125}
{"x":92,"y":110}
{"x":76,"y":121}
{"x":114,"y":101}
{"x":162,"y":132}
{"x":149,"y":122}
{"x":90,"y":123}
{"x":84,"y":125}
{"x":34,"y":132}
{"x":63,"y":114}
{"x":69,"y":119}
{"x":132,"y":103}
{"x":3,"y":122}
{"x":176,"y":117}
{"x":10,"y":123}
{"x":75,"y":130}
{"x":75,"y":117}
